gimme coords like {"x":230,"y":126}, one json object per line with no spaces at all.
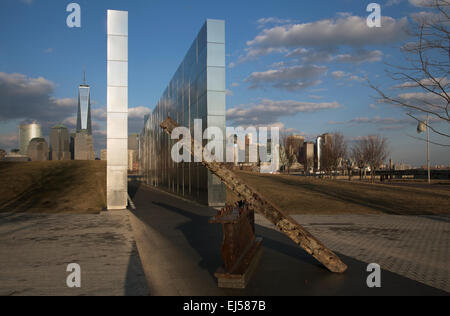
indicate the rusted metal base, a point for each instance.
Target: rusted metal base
{"x":241,"y":250}
{"x":242,"y":275}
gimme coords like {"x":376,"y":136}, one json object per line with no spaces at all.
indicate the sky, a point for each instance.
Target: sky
{"x":300,"y":65}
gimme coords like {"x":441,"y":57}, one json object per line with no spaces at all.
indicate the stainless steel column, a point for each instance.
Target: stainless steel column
{"x":117,"y":104}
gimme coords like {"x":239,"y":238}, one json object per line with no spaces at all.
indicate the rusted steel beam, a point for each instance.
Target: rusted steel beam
{"x":259,"y":204}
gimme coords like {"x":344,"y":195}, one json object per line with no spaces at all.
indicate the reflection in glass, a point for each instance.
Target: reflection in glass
{"x":199,"y":80}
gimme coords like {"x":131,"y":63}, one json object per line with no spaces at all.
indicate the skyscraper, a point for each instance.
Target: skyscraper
{"x":60,"y":143}
{"x":84,"y":108}
{"x":26,"y":133}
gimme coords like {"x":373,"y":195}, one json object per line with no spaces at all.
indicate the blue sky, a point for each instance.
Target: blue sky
{"x":316,"y":86}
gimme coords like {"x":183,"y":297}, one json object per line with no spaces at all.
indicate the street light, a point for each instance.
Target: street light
{"x":421,"y":128}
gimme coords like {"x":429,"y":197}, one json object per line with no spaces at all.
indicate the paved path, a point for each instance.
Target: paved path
{"x":36,"y":249}
{"x":180,"y":252}
{"x":415,"y":247}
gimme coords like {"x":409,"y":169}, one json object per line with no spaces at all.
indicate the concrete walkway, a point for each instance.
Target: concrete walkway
{"x":412,"y":246}
{"x":180,"y":252}
{"x":35,"y":250}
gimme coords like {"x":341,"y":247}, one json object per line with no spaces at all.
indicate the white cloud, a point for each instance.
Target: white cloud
{"x":338,"y":74}
{"x":268,"y":112}
{"x":392,"y":2}
{"x":70,"y":122}
{"x":444,"y":82}
{"x":99,"y":114}
{"x":380,"y":120}
{"x":321,"y":41}
{"x":138,"y":112}
{"x":272,"y":20}
{"x":326,"y":56}
{"x":23,"y":97}
{"x":361,"y":56}
{"x":65,"y":102}
{"x":416,"y":3}
{"x":422,"y":3}
{"x":428,"y":100}
{"x":331,"y":33}
{"x":288,"y":78}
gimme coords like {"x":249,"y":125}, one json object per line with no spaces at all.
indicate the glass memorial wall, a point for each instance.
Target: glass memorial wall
{"x":196,"y":91}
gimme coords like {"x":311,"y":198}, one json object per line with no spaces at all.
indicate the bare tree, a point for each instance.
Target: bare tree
{"x":358,"y":156}
{"x":349,"y":164}
{"x":427,"y":67}
{"x":309,"y":164}
{"x":290,"y":153}
{"x":371,"y":151}
{"x":334,"y":151}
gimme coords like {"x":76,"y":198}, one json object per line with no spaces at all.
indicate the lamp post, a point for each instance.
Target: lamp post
{"x":422,"y":127}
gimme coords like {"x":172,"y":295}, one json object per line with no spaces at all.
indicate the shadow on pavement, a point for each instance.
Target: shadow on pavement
{"x":285,"y":269}
{"x":135,"y":282}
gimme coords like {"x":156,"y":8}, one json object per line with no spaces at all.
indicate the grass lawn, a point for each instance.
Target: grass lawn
{"x":53,"y":186}
{"x":300,"y":195}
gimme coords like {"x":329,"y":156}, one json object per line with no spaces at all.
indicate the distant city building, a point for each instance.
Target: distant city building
{"x":248,"y":148}
{"x":403,"y":167}
{"x":103,"y":155}
{"x":16,"y":157}
{"x":133,"y":141}
{"x":26,"y":133}
{"x":133,"y":163}
{"x":295,"y":144}
{"x":84,"y":108}
{"x":60,"y":143}
{"x":133,"y":157}
{"x":38,"y":149}
{"x":321,"y":141}
{"x":308,"y":156}
{"x":72,"y":145}
{"x":84,"y":146}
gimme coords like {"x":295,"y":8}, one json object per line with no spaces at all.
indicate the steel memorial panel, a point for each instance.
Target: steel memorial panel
{"x":196,"y":91}
{"x":117,"y":110}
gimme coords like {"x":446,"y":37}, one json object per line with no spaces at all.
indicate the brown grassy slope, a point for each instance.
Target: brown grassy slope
{"x":299,"y":195}
{"x":53,"y":186}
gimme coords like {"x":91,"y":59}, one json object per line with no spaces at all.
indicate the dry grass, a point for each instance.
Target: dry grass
{"x":299,"y":195}
{"x":53,"y":186}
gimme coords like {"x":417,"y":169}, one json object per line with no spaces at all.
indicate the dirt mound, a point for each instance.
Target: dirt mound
{"x":53,"y":186}
{"x":301,"y":195}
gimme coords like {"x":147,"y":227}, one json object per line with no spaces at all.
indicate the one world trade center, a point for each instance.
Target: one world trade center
{"x":84,"y":122}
